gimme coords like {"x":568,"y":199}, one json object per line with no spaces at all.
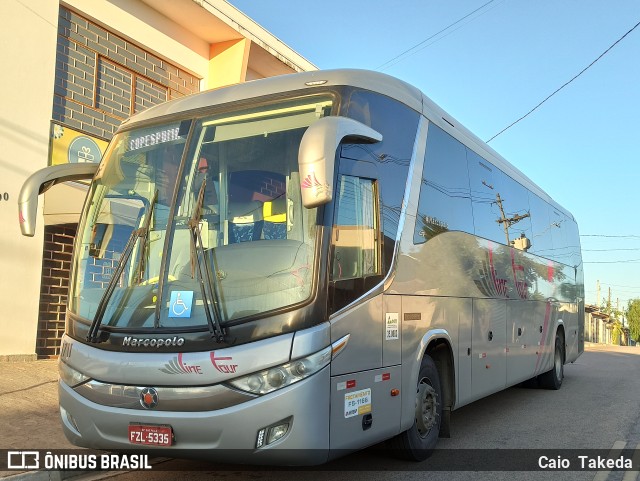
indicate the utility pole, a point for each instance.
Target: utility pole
{"x":598,"y":294}
{"x":620,"y":313}
{"x":507,"y":222}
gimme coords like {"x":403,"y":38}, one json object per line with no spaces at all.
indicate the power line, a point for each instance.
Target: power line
{"x":610,"y":250}
{"x":36,"y":14}
{"x":619,"y":289}
{"x":566,"y":83}
{"x":605,"y":235}
{"x":389,"y":63}
{"x":612,"y":262}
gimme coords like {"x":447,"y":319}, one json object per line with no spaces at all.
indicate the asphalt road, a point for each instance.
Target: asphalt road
{"x":597,"y":409}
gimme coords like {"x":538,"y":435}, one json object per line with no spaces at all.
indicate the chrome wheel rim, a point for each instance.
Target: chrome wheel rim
{"x":426,"y":408}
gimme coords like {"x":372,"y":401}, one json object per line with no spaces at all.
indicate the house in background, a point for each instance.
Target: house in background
{"x":75,"y":70}
{"x":599,"y":328}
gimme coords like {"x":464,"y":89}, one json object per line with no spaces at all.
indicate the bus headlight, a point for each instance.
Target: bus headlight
{"x":277,"y":377}
{"x":70,"y":376}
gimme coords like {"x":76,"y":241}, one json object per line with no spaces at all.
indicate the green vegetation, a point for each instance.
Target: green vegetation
{"x":633,"y":318}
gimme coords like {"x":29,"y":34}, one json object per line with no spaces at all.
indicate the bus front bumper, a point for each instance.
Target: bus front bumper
{"x":229,"y":435}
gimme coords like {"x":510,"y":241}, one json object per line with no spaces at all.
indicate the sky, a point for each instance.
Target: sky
{"x":582,"y":146}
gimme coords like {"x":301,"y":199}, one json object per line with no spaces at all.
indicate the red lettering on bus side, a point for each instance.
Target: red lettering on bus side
{"x":223,"y":368}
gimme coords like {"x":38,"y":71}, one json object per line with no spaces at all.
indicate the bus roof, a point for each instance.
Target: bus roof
{"x":369,"y":80}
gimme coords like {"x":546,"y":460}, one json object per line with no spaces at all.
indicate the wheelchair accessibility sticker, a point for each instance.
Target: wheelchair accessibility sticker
{"x":180,"y":303}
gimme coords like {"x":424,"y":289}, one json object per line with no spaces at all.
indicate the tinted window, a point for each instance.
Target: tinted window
{"x":501,"y":210}
{"x":445,"y":199}
{"x":541,"y":243}
{"x":398,"y":124}
{"x":355,"y":241}
{"x":561,"y":237}
{"x":395,"y":121}
{"x":483,"y":181}
{"x":514,"y":212}
{"x":355,"y":234}
{"x":573,"y":243}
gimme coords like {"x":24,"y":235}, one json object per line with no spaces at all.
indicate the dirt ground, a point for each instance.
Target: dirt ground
{"x":29,"y":403}
{"x":29,"y":406}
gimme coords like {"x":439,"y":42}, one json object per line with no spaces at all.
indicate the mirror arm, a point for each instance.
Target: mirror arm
{"x":316,"y":157}
{"x":41,"y":181}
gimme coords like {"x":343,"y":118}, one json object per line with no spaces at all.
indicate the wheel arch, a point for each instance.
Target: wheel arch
{"x":435,"y":343}
{"x":439,"y":349}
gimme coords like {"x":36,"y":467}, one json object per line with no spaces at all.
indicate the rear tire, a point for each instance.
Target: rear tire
{"x":418,"y":442}
{"x":552,"y":379}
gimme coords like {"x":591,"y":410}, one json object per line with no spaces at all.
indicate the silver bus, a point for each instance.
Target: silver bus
{"x":289,"y":269}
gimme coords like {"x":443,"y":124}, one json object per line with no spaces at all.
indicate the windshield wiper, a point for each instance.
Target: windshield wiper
{"x":209,"y":289}
{"x":141,"y":233}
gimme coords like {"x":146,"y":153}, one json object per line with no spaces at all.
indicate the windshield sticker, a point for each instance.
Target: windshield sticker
{"x":178,"y":366}
{"x":357,"y":402}
{"x":154,"y":138}
{"x":180,"y":303}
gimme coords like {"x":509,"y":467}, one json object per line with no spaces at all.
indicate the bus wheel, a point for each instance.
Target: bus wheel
{"x":418,"y":442}
{"x":552,"y":379}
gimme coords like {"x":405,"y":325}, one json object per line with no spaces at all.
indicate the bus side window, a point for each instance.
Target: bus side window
{"x":398,"y":125}
{"x":445,"y":198}
{"x":542,"y":241}
{"x":486,"y":184}
{"x":355,"y":239}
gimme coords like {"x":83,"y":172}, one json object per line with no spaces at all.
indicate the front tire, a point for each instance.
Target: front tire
{"x":418,"y":442}
{"x":552,"y":379}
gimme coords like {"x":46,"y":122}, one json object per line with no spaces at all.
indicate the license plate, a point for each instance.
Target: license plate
{"x":150,"y":435}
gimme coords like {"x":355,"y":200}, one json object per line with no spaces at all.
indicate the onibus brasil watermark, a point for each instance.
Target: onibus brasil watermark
{"x":440,"y":460}
{"x":30,"y":460}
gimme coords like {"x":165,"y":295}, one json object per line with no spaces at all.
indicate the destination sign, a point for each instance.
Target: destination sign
{"x":154,"y":138}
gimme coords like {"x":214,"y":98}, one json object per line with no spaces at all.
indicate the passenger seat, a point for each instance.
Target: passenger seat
{"x":275,"y":218}
{"x":245,"y":221}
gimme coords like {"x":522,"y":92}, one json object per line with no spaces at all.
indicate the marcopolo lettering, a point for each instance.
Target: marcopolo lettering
{"x":152,"y":342}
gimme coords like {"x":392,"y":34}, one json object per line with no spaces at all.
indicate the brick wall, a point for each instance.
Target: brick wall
{"x":101,"y":78}
{"x":58,"y":243}
{"x":273,"y":188}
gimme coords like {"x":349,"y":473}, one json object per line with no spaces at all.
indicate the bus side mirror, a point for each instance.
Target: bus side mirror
{"x":41,"y":181}
{"x":316,"y":157}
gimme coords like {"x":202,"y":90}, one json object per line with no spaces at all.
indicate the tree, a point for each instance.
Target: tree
{"x":633,"y":317}
{"x":615,"y":316}
{"x":616,"y":332}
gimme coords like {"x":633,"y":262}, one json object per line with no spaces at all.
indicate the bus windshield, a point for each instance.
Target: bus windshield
{"x":227,"y":227}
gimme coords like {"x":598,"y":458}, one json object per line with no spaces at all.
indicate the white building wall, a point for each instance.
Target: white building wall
{"x":27,"y":52}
